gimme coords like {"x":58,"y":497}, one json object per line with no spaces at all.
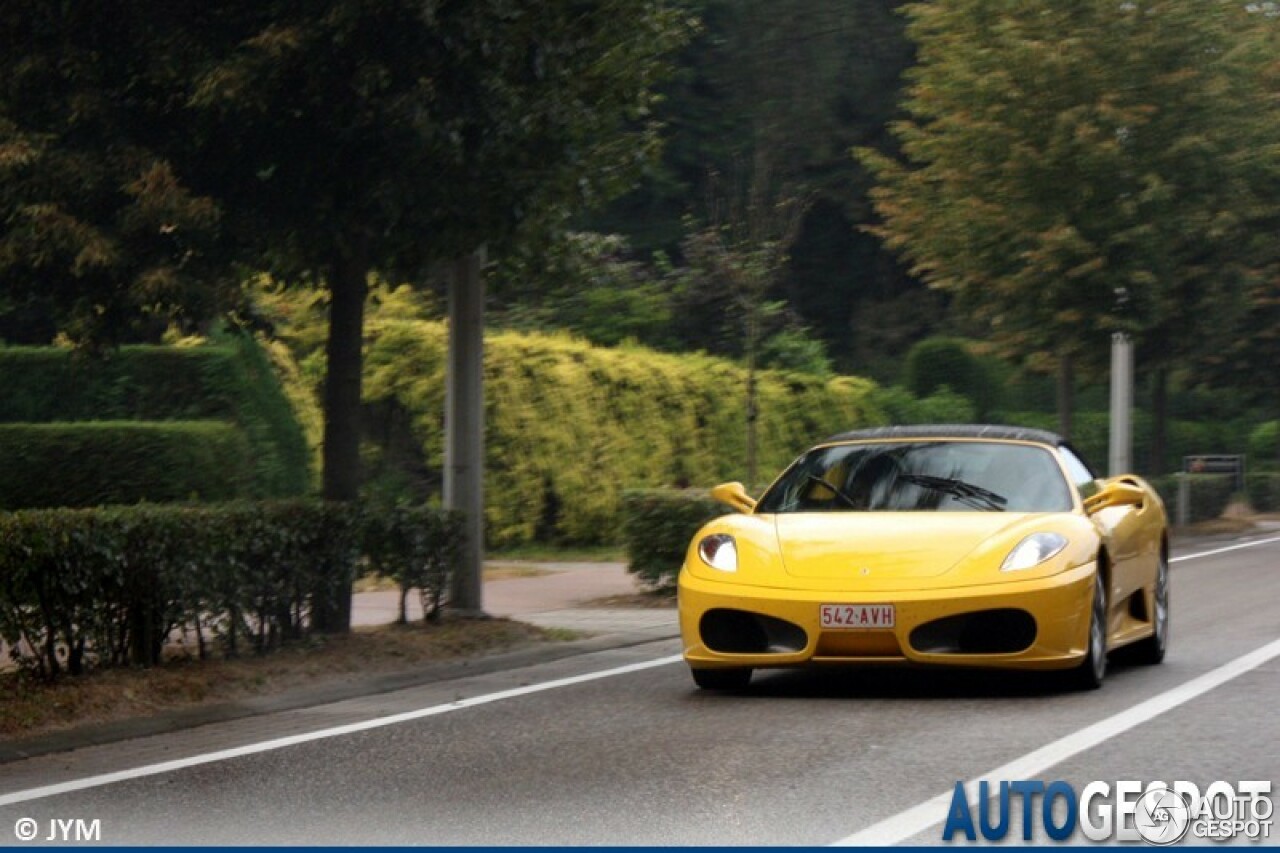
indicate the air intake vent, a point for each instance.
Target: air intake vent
{"x":741,"y":632}
{"x":986,"y":632}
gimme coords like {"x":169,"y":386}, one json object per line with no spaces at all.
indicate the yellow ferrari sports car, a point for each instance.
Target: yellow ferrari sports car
{"x":979,"y":546}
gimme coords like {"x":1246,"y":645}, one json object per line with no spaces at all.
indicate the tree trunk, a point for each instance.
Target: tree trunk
{"x":348,"y":286}
{"x":752,"y":422}
{"x":1159,"y":421}
{"x":755,"y":296}
{"x":1066,"y":394}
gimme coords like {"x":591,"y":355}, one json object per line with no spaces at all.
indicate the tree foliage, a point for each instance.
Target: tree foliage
{"x":100,"y":234}
{"x":1070,"y":169}
{"x":321,"y":141}
{"x":802,"y":81}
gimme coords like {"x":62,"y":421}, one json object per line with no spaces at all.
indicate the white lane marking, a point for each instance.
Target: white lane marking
{"x":934,"y":811}
{"x":917,"y":819}
{"x":408,"y":716}
{"x":1252,"y":544}
{"x":336,"y":731}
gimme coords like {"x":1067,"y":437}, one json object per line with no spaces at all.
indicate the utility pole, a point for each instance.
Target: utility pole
{"x":464,"y":426}
{"x":1121,"y":446}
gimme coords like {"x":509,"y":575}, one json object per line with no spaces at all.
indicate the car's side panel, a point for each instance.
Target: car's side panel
{"x":1134,"y":537}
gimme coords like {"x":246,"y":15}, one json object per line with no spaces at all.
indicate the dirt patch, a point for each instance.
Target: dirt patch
{"x":493,"y":571}
{"x":638,"y":600}
{"x":30,"y":707}
{"x":1220,"y":526}
{"x":503,"y":571}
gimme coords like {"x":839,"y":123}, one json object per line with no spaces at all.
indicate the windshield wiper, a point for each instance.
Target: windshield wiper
{"x":974,"y":496}
{"x":821,"y":482}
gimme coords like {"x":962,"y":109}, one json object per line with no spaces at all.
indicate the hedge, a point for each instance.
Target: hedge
{"x":1209,"y":495}
{"x":283,"y":460}
{"x":231,"y":381}
{"x":1264,"y":491}
{"x":111,"y":586}
{"x":146,"y":383}
{"x":88,"y":464}
{"x":658,"y":525}
{"x":1264,"y":445}
{"x":938,"y":362}
{"x":1092,"y":436}
{"x":418,"y":548}
{"x":569,"y":425}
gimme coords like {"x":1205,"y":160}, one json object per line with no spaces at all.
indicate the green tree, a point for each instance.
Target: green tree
{"x":589,"y":284}
{"x":804,"y":81}
{"x":347,"y":136}
{"x":1071,"y":169}
{"x":390,"y":135}
{"x":743,"y":251}
{"x":100,"y":238}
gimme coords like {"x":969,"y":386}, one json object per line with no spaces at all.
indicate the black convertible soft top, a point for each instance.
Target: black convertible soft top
{"x":1010,"y":433}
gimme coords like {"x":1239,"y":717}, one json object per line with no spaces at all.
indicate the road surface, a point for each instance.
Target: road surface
{"x":619,"y":748}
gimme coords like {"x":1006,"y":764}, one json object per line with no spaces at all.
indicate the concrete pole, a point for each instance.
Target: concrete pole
{"x":464,"y":426}
{"x":1121,"y":455}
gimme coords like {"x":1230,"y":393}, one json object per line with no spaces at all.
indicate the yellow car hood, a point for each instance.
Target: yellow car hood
{"x":882,"y":547}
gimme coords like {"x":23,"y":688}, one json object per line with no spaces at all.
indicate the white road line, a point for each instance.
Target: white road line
{"x":926,"y":809}
{"x":917,"y":819}
{"x":934,"y":811}
{"x":336,"y":731}
{"x":1252,"y":544}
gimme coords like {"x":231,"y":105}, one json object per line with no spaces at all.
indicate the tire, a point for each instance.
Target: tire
{"x":1093,"y":669}
{"x":722,"y":679}
{"x":1151,"y":650}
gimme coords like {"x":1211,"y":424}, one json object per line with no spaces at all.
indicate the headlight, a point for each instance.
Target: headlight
{"x":719,"y":552}
{"x":1033,"y":551}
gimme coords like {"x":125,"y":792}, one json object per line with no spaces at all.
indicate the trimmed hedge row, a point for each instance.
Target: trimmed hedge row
{"x":283,"y":459}
{"x":1092,"y":436}
{"x":418,"y":548}
{"x":110,"y":586}
{"x":89,"y":464}
{"x":569,"y":425}
{"x":657,"y":528}
{"x":1209,"y":495}
{"x":232,"y":381}
{"x":1264,"y":445}
{"x":1264,"y":491}
{"x":146,"y":383}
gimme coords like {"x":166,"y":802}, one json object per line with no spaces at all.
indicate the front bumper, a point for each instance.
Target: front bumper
{"x":995,"y":614}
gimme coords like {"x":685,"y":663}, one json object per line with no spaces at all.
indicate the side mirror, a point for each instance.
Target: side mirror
{"x":1116,"y":493}
{"x":734,"y":495}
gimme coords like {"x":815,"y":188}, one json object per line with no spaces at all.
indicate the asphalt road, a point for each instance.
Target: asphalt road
{"x":569,"y":756}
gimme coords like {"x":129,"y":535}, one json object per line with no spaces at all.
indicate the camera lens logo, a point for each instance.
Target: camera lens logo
{"x":1162,"y":816}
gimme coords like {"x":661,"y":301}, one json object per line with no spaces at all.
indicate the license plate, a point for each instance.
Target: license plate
{"x":856,"y":616}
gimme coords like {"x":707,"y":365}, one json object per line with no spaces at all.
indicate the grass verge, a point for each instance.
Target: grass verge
{"x":30,"y":707}
{"x":536,"y":553}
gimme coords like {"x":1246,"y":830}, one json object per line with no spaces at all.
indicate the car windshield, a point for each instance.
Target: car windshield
{"x":921,"y":476}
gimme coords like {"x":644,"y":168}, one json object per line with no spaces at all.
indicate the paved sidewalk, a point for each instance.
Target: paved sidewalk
{"x":561,"y":598}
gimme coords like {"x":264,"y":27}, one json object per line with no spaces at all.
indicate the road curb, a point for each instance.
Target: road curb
{"x":98,"y":734}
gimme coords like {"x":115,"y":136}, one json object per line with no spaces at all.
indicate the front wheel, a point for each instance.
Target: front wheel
{"x":1152,"y":649}
{"x":1093,"y":669}
{"x":736,"y":678}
